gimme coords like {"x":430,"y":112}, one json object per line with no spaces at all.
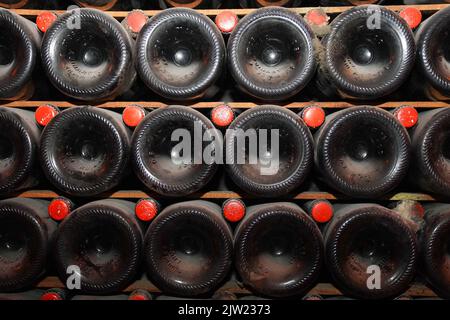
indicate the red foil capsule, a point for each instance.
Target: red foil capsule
{"x":233,"y":210}
{"x":146,"y":209}
{"x":59,"y":208}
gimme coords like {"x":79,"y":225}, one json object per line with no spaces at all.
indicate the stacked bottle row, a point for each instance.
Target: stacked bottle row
{"x":195,"y":4}
{"x":272,"y":53}
{"x":268,"y":151}
{"x":188,"y":249}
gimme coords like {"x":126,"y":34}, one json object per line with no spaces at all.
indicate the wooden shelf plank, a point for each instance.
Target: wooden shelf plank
{"x":412,"y":196}
{"x":241,"y":12}
{"x":325,"y":289}
{"x":236,"y":105}
{"x":306,"y":195}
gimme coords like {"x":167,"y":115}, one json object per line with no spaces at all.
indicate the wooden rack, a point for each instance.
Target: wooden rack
{"x":426,"y":8}
{"x":236,"y":105}
{"x":416,"y":290}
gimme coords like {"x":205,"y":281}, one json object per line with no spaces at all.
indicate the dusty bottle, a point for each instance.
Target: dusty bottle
{"x":368,"y":54}
{"x":104,"y":240}
{"x":117,"y":5}
{"x":362,"y":151}
{"x":35,"y":4}
{"x":269,"y":3}
{"x":134,"y":22}
{"x":278,"y":250}
{"x":140,"y":295}
{"x":19,"y":43}
{"x":424,"y":1}
{"x":370,"y":251}
{"x":180,"y":54}
{"x":26,"y":234}
{"x":271,"y":54}
{"x":34,"y":294}
{"x":97,"y":4}
{"x":85,"y":150}
{"x":332,"y":3}
{"x":188,"y":248}
{"x":168,"y":149}
{"x":88,"y":55}
{"x":268,"y":151}
{"x":431,"y":151}
{"x":100,"y":298}
{"x":192,"y":4}
{"x":13,"y":4}
{"x":433,"y":55}
{"x":55,"y":294}
{"x":435,"y":247}
{"x":19,"y":141}
{"x":217,"y":296}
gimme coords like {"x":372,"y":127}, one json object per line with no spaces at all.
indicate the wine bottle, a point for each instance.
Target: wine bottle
{"x":140,"y":295}
{"x":97,"y":4}
{"x":14,"y":4}
{"x":88,"y":55}
{"x":431,"y":151}
{"x":19,"y":43}
{"x":368,"y":54}
{"x":34,"y":294}
{"x":84,"y":151}
{"x":34,"y":4}
{"x":253,"y":298}
{"x":25,"y":242}
{"x":269,"y":151}
{"x":409,"y":2}
{"x":278,"y":250}
{"x":101,"y":243}
{"x":333,"y":3}
{"x":435,"y":248}
{"x":271,"y":54}
{"x":268,"y":3}
{"x":55,"y":294}
{"x":192,"y":4}
{"x":433,"y":55}
{"x":168,"y":149}
{"x":134,"y":22}
{"x":19,"y":141}
{"x":362,"y":151}
{"x":180,"y":54}
{"x":370,"y":251}
{"x":118,"y":297}
{"x":320,"y":210}
{"x":188,"y":248}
